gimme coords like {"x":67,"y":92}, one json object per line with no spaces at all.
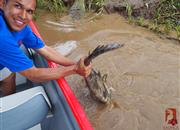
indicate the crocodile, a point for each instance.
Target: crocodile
{"x":96,"y":82}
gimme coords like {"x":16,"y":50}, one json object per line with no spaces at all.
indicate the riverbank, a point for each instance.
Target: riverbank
{"x":160,"y":16}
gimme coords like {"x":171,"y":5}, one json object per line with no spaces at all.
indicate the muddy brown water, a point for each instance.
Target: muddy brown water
{"x":145,"y":73}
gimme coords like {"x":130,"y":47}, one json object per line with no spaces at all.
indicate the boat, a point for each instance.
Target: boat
{"x":50,"y":105}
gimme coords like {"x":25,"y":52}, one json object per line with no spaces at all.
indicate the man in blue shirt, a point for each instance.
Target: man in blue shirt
{"x":15,"y":16}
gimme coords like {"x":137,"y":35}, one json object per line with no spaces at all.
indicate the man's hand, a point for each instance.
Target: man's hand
{"x":83,"y":70}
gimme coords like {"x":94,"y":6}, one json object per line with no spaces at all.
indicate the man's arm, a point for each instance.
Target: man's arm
{"x":44,"y":74}
{"x":68,"y":67}
{"x":54,"y":56}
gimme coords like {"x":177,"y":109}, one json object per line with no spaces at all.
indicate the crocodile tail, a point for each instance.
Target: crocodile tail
{"x":100,"y":50}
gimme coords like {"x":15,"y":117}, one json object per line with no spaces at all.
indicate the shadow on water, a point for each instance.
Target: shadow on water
{"x":144,"y":73}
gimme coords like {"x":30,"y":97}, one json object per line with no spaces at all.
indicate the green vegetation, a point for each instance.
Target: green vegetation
{"x":129,"y":11}
{"x":58,"y":5}
{"x":51,"y":5}
{"x":165,"y":20}
{"x":178,"y":31}
{"x":168,"y":15}
{"x":97,"y":5}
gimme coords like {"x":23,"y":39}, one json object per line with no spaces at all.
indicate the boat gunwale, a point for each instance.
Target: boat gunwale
{"x":70,"y":97}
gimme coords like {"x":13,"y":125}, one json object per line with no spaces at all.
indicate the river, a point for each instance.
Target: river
{"x":145,"y":73}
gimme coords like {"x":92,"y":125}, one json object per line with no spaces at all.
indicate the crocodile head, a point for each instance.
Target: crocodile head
{"x":98,"y":87}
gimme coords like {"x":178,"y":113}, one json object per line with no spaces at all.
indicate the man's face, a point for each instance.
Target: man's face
{"x":18,"y":13}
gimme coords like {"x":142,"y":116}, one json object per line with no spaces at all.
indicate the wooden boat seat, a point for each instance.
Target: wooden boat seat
{"x":24,"y":109}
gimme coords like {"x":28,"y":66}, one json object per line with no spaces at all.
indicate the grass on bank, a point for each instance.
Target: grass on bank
{"x":58,"y":6}
{"x":55,"y":6}
{"x":165,"y":20}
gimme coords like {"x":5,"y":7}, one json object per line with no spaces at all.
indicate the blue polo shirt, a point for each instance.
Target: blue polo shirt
{"x":11,"y":56}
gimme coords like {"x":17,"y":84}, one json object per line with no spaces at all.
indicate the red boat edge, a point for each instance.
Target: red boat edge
{"x":71,"y":99}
